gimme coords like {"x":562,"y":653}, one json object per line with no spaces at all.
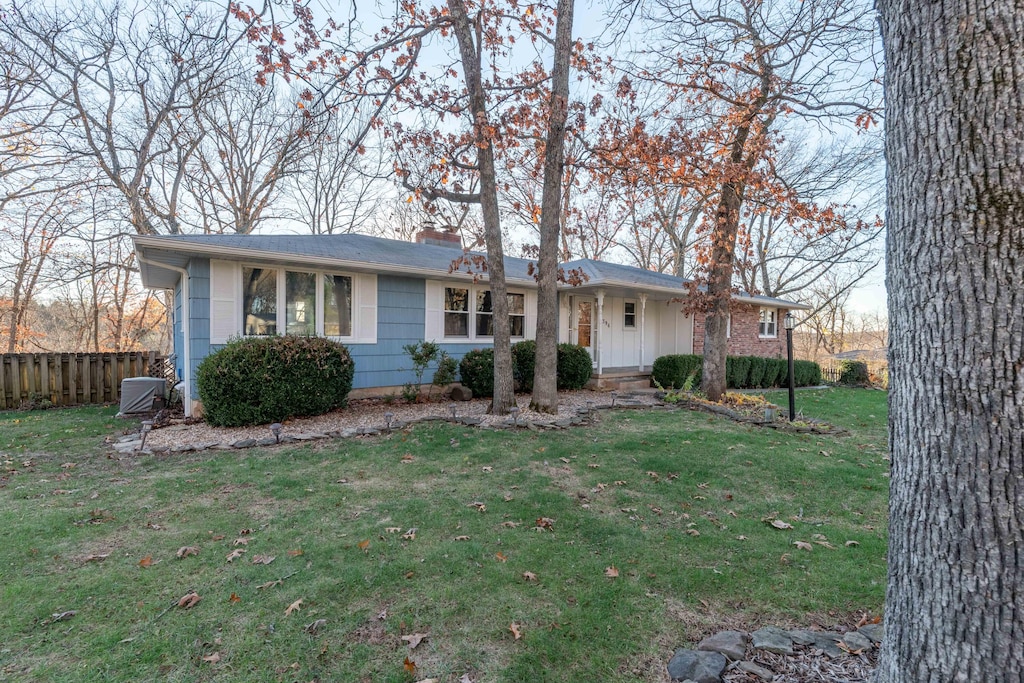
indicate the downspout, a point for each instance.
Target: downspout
{"x":186,"y":361}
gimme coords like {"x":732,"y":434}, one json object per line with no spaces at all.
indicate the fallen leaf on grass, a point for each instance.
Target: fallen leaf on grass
{"x":510,"y":525}
{"x":245,"y":532}
{"x":593,"y":465}
{"x":410,"y":535}
{"x":803,"y":545}
{"x":241,"y":541}
{"x":364,"y":545}
{"x":212,"y":659}
{"x":611,"y":572}
{"x":295,"y":553}
{"x":779,"y":524}
{"x":407,"y":458}
{"x":263,"y":559}
{"x":102,"y":556}
{"x":850,"y":544}
{"x":409,"y":665}
{"x":826,"y":544}
{"x":414,"y":639}
{"x":186,"y":550}
{"x":235,"y":554}
{"x":620,"y":482}
{"x":462,"y":538}
{"x":465,"y":679}
{"x":515,"y":628}
{"x":501,"y":556}
{"x":315,"y":626}
{"x":529,"y":576}
{"x":147,"y":561}
{"x":393,"y":529}
{"x":294,"y":607}
{"x":383,"y":614}
{"x":487,"y":468}
{"x":269,"y":584}
{"x":692,"y":532}
{"x":234,"y":598}
{"x":480,"y":507}
{"x":427,"y":680}
{"x":189,"y":600}
{"x":545,"y":523}
{"x":60,"y":616}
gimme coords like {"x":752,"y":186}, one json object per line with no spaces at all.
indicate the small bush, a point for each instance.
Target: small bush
{"x":775,"y":372}
{"x":477,"y":371}
{"x":266,"y":379}
{"x":757,"y":368}
{"x":737,"y":370}
{"x":854,"y":372}
{"x":672,"y":371}
{"x":524,"y":359}
{"x":575,"y":367}
{"x":806,"y":373}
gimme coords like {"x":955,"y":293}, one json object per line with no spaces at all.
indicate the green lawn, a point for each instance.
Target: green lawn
{"x":675,"y":502}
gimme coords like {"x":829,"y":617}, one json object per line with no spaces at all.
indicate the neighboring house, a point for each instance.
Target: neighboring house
{"x":376,"y":295}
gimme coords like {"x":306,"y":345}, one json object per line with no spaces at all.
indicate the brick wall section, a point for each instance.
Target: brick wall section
{"x":743,"y":338}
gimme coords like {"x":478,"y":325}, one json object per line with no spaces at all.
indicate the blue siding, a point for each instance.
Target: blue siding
{"x":178,"y":335}
{"x":199,"y":310}
{"x":400,"y":321}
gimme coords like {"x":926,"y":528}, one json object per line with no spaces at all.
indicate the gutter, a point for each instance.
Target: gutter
{"x":186,"y":326}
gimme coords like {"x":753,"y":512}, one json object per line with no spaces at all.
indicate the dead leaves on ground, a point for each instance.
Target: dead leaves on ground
{"x":186,"y":550}
{"x":189,"y":600}
{"x":414,"y":639}
{"x":612,"y":572}
{"x":235,"y":554}
{"x":294,"y":607}
{"x":516,"y":629}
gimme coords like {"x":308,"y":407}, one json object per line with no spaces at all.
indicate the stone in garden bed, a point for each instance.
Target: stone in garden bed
{"x":696,"y":665}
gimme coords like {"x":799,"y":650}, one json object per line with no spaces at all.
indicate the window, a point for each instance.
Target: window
{"x":459,"y":323}
{"x":767,"y":326}
{"x":300,"y":303}
{"x":629,"y":315}
{"x":305,"y":295}
{"x":485,"y":314}
{"x":337,"y":305}
{"x":456,"y":312}
{"x":259,"y":301}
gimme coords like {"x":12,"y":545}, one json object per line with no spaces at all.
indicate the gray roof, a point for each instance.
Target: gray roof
{"x":378,"y":254}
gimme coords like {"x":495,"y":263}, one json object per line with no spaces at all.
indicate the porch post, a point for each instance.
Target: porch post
{"x":598,"y":342}
{"x":643,"y":310}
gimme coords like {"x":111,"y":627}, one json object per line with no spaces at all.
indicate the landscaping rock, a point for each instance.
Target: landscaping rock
{"x":471,"y":421}
{"x":128,"y":446}
{"x":874,"y":632}
{"x":759,"y":671}
{"x":460,"y":393}
{"x":266,"y":441}
{"x":244,"y":443}
{"x":732,"y":644}
{"x":828,"y":642}
{"x":856,"y":641}
{"x":183,"y":448}
{"x":697,"y":666}
{"x":802,"y":637}
{"x":772,"y":639}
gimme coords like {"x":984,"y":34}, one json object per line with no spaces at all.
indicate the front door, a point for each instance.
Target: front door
{"x":583,"y":324}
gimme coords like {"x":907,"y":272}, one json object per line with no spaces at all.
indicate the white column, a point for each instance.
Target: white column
{"x":598,"y":336}
{"x":643,"y":309}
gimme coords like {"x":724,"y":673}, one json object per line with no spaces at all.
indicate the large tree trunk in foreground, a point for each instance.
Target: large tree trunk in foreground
{"x":955,"y":153}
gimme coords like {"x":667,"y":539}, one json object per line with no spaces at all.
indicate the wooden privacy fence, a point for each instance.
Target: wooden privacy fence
{"x":66,"y":379}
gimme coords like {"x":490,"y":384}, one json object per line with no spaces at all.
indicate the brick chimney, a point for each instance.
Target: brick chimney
{"x":439,"y":238}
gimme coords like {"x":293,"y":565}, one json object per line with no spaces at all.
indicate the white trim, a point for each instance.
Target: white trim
{"x":774,"y":323}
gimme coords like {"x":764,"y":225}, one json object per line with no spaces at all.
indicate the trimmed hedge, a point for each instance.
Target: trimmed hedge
{"x":269,"y":379}
{"x":741,"y":372}
{"x":477,"y":368}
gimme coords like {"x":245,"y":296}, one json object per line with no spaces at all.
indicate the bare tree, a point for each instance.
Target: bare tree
{"x":127,"y":76}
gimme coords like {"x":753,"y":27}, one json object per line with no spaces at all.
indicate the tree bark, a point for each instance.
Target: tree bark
{"x":955,"y":155}
{"x":545,"y":378}
{"x":469,"y":50}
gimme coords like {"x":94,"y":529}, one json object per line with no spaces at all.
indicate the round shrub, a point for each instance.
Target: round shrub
{"x":854,"y":372}
{"x":476,"y":370}
{"x":574,"y":367}
{"x":524,"y":360}
{"x":673,"y":370}
{"x":268,"y":379}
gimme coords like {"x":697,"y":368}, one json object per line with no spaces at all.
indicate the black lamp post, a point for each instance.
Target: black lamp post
{"x":790,"y":323}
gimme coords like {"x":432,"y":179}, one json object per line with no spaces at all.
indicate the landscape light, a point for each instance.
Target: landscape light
{"x":275,"y":429}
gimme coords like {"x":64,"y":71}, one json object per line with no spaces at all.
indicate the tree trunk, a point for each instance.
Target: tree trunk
{"x":720,"y":269}
{"x":955,"y":154}
{"x":545,"y":378}
{"x":504,"y":389}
